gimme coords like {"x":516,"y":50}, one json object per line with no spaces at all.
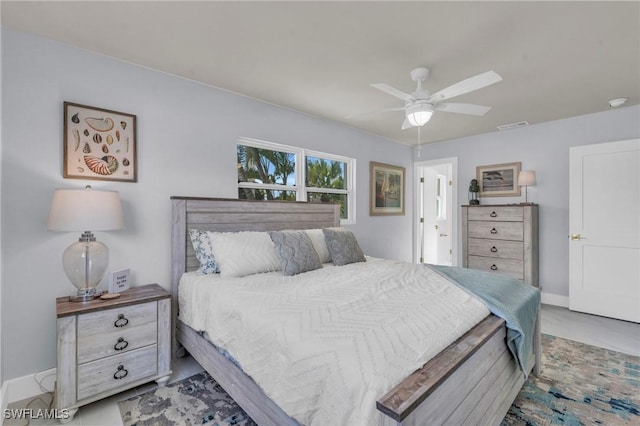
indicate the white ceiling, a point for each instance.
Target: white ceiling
{"x":557,"y":59}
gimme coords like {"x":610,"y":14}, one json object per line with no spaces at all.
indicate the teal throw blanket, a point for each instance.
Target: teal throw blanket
{"x":510,"y":299}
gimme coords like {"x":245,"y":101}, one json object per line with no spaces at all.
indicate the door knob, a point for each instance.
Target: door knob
{"x":574,"y":237}
{"x":443,"y":235}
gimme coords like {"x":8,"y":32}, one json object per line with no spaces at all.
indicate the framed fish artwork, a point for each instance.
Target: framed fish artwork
{"x":499,"y":180}
{"x":99,"y":144}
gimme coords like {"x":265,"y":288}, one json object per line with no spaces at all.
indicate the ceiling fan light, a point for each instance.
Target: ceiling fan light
{"x":419,"y":114}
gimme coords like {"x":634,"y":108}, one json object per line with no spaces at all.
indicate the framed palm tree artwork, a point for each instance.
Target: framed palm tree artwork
{"x":387,"y":188}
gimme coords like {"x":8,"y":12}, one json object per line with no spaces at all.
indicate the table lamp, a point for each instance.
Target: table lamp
{"x":86,"y":260}
{"x":526,"y":178}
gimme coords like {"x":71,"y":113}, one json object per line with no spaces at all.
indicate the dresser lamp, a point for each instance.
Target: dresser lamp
{"x":87,"y":210}
{"x":526,"y":178}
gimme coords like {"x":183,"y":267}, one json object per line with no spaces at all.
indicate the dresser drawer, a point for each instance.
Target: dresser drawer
{"x":116,"y":371}
{"x":496,"y":248}
{"x":513,"y":231}
{"x":115,"y":331}
{"x":512,"y":268}
{"x":507,"y":214}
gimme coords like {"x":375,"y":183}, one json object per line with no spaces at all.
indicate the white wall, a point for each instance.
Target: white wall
{"x":187,"y":135}
{"x":544,"y":148}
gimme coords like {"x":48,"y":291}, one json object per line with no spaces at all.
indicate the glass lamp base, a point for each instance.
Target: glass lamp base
{"x":85,"y":263}
{"x":85,"y":295}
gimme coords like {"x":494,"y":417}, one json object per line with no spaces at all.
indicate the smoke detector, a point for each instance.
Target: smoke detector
{"x":614,"y":103}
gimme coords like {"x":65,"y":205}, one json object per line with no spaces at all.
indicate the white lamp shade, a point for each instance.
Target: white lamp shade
{"x":419,"y":114}
{"x":526,"y":178}
{"x":85,"y":210}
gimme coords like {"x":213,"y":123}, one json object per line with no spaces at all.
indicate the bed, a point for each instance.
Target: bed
{"x":472,"y":381}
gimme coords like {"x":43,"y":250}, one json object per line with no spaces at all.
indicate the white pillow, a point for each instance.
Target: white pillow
{"x":317,"y":239}
{"x":244,"y":253}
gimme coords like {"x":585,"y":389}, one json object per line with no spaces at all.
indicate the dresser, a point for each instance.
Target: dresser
{"x":502,"y":239}
{"x":108,"y":346}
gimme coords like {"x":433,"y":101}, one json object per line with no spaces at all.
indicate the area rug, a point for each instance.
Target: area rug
{"x":579,"y":385}
{"x":196,"y":400}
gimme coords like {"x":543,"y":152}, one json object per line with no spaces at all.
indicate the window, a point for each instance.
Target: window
{"x":268,"y":171}
{"x":441,"y":197}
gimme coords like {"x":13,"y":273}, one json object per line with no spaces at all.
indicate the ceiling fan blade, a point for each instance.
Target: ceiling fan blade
{"x":393,"y":91}
{"x":470,"y":109}
{"x":374,"y":112}
{"x":406,"y":124}
{"x":465,"y":86}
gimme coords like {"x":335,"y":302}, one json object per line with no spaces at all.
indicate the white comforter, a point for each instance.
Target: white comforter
{"x":326,"y":344}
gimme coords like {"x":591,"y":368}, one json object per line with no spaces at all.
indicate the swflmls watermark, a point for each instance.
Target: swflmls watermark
{"x":31,"y":413}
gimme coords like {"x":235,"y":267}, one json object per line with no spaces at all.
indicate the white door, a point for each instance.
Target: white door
{"x":604,"y":223}
{"x":444,"y":224}
{"x":436,"y":214}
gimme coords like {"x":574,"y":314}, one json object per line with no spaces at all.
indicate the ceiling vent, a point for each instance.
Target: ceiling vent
{"x":513,"y":125}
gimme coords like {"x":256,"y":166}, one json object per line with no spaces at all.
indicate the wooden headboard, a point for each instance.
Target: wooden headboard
{"x":226,"y":215}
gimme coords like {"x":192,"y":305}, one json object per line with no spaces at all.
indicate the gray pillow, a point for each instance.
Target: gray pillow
{"x":343,"y":247}
{"x":296,"y":252}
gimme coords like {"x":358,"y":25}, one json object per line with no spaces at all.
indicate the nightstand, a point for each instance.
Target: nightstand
{"x":108,"y":346}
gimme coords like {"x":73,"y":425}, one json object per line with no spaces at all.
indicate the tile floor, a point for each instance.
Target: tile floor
{"x":598,"y":331}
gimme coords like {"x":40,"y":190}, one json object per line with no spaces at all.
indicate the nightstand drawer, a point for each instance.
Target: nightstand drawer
{"x":513,"y":231}
{"x":116,"y":371}
{"x":506,"y":214}
{"x":117,"y":319}
{"x":512,"y":268}
{"x":94,"y":346}
{"x":115,"y":331}
{"x":496,"y":248}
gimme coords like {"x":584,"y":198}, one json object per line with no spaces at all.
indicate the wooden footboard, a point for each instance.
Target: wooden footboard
{"x":473,"y":381}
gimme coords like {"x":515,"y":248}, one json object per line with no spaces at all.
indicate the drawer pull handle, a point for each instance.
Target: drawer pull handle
{"x":121,"y":373}
{"x":494,"y":267}
{"x":494,"y":249}
{"x":493,"y":214}
{"x":121,"y":344}
{"x":494,"y":231}
{"x":121,"y":321}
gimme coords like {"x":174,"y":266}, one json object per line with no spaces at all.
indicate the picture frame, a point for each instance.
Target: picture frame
{"x":119,"y":281}
{"x":499,"y":180}
{"x":99,"y":144}
{"x":387,"y":189}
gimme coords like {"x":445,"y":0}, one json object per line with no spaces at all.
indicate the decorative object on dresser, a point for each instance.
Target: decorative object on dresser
{"x":86,"y":260}
{"x":386,"y":186}
{"x":526,"y":178}
{"x":119,"y":281}
{"x":99,"y":144}
{"x":474,"y":188}
{"x":502,"y":239}
{"x":499,"y":180}
{"x":108,"y":346}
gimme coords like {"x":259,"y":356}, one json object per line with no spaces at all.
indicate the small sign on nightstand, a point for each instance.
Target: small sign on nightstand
{"x":119,"y":281}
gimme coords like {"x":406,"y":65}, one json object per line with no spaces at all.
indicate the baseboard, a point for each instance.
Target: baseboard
{"x":28,"y":386}
{"x":555,"y":300}
{"x":4,"y":396}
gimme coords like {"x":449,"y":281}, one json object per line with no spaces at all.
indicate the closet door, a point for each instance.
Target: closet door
{"x":604,"y":223}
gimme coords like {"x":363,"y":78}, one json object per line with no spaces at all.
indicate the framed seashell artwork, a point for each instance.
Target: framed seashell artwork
{"x":99,"y":144}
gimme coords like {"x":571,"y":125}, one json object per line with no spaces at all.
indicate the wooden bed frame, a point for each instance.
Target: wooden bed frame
{"x":473,"y":381}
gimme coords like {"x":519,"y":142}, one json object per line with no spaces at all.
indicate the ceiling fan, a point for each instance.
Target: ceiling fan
{"x":420,"y":105}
